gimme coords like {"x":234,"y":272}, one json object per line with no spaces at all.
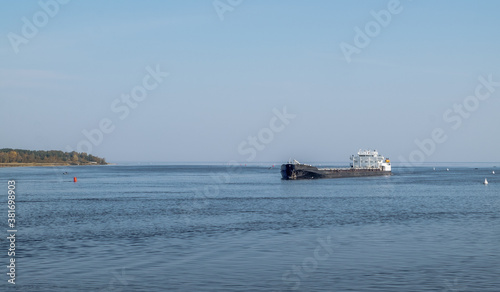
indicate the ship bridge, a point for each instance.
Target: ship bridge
{"x":369,"y":159}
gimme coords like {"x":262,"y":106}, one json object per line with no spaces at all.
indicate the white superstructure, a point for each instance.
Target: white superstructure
{"x":368,"y":159}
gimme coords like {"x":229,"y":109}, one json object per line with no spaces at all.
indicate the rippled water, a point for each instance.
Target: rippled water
{"x":210,"y":228}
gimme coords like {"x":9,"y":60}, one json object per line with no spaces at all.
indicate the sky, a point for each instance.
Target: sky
{"x":252,"y":81}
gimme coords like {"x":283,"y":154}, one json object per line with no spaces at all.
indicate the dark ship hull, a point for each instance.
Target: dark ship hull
{"x":303,"y":171}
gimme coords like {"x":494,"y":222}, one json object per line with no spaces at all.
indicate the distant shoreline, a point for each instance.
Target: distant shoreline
{"x":46,"y":164}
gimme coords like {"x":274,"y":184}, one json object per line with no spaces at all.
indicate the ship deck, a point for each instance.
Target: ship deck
{"x":348,"y":168}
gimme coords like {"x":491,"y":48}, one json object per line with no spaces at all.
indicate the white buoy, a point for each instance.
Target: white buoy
{"x":485,"y":181}
{"x":493,"y":172}
{"x":447,"y":169}
{"x":433,"y":168}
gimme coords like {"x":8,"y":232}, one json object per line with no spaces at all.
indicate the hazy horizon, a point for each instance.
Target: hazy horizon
{"x":252,"y":81}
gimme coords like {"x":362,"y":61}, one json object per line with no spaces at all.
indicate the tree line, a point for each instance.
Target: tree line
{"x":8,"y":155}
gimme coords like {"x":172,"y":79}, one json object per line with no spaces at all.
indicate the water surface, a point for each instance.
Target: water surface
{"x":213,"y":228}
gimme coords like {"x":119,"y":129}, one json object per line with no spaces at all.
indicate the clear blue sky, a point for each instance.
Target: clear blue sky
{"x":227,"y":75}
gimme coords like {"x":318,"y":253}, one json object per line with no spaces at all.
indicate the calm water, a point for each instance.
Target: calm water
{"x":207,"y":228}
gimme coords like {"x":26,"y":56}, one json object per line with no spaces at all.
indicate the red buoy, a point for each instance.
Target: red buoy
{"x":74,"y":179}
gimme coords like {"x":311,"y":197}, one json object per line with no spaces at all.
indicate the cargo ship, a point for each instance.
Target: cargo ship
{"x":365,"y":163}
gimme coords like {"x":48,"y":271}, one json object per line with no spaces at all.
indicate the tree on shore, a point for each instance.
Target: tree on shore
{"x":8,"y":155}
